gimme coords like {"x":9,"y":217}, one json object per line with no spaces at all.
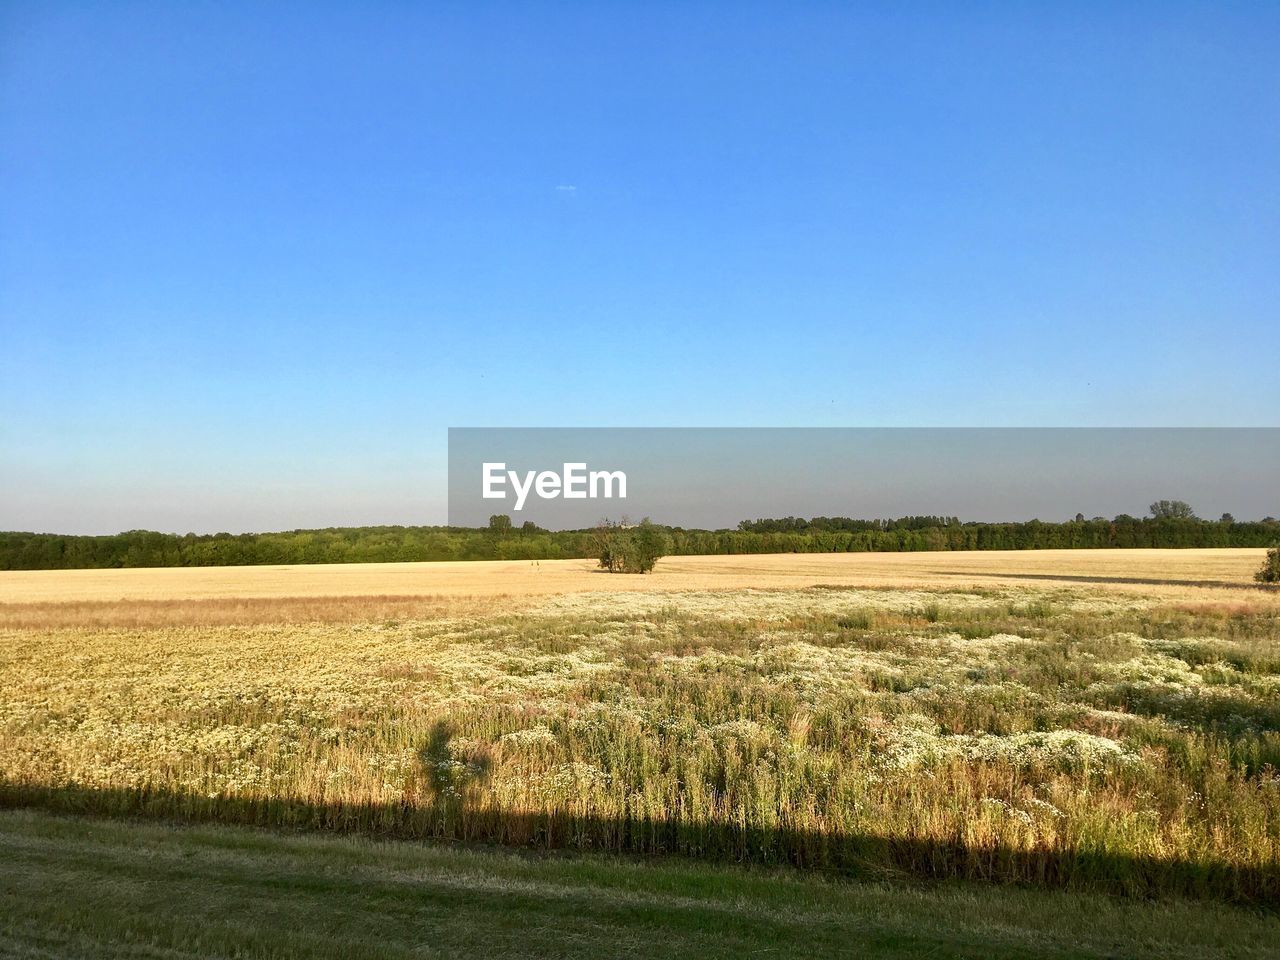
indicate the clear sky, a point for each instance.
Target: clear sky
{"x":256,"y":258}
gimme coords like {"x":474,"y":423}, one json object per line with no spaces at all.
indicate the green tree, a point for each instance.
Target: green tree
{"x":624,"y":548}
{"x":649,"y":544}
{"x":1270,"y":572}
{"x":1172,"y":510}
{"x":609,"y":542}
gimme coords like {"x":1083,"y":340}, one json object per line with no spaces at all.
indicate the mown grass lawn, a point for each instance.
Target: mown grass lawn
{"x":98,"y":888}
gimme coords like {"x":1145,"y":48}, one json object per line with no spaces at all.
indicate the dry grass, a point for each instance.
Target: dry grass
{"x":1192,"y":569}
{"x":346,"y":592}
{"x":244,"y":611}
{"x":1061,"y":733}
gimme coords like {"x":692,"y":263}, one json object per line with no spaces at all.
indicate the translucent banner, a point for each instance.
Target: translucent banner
{"x":572,"y":478}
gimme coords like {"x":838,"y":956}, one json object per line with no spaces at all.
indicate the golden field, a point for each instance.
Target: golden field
{"x":1107,"y":720}
{"x":186,"y":595}
{"x":1195,"y":569}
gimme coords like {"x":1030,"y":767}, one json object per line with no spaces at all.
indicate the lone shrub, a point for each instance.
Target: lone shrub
{"x":627,"y":549}
{"x":1270,"y":572}
{"x":650,"y":544}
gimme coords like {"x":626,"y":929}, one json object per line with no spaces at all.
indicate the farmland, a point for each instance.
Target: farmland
{"x":1203,"y":573}
{"x":1103,"y":723}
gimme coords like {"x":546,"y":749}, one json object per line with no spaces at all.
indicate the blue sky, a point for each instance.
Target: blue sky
{"x":255,"y":259}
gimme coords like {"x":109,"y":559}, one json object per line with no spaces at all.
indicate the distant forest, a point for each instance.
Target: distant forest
{"x":503,"y":541}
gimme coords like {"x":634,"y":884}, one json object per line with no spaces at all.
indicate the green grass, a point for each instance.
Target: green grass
{"x":87,"y":887}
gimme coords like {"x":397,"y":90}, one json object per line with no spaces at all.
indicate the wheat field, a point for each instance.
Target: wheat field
{"x":1099,"y":721}
{"x":1144,"y":569}
{"x":334,"y":592}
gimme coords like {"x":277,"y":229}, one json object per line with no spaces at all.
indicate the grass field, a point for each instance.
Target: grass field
{"x":89,"y":888}
{"x":513,"y":579}
{"x":1101,"y":723}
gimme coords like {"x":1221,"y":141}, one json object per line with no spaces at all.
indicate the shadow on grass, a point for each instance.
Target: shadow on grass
{"x":447,"y":808}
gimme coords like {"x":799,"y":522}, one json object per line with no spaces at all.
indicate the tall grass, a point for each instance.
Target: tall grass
{"x":1046,"y":737}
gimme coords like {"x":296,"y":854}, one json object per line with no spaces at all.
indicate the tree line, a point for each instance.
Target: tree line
{"x":503,"y":541}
